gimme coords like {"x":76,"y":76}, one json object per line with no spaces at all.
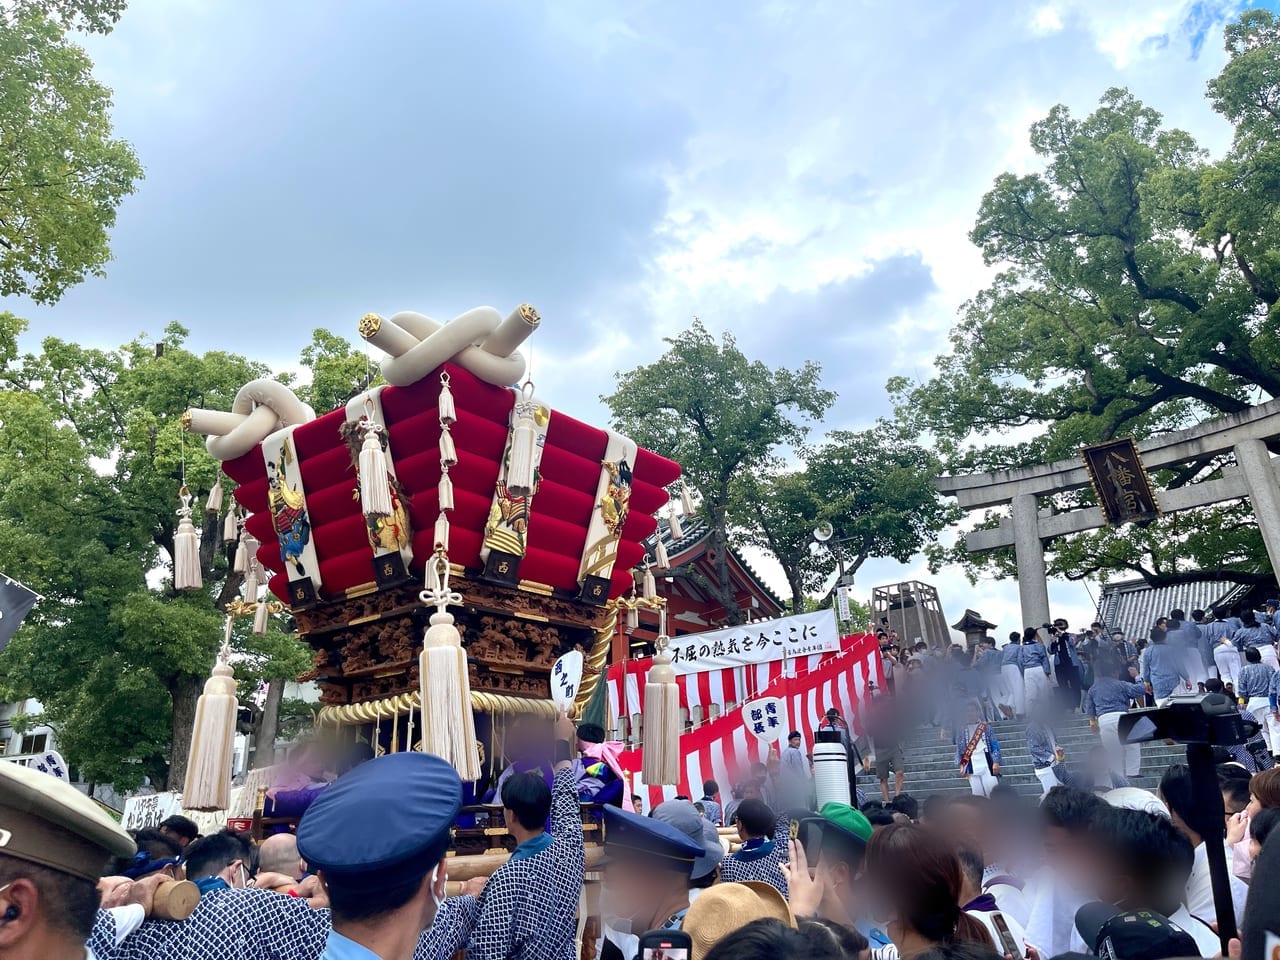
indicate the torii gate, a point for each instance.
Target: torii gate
{"x":1255,"y":476}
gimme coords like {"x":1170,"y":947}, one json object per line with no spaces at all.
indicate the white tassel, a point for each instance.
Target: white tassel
{"x":251,"y":581}
{"x":214,"y":503}
{"x":445,"y":490}
{"x":448,"y":452}
{"x":448,"y":413}
{"x":633,"y":619}
{"x":649,"y":587}
{"x":448,"y":725}
{"x":375,"y":491}
{"x":208,"y":782}
{"x":229,"y":526}
{"x":686,"y":499}
{"x":186,"y":548}
{"x":661,"y":755}
{"x":241,"y":562}
{"x":260,"y":618}
{"x":660,"y":559}
{"x":442,"y":531}
{"x":677,"y":531}
{"x":521,"y":468}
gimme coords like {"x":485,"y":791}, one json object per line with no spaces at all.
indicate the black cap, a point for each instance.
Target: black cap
{"x":1132,"y":935}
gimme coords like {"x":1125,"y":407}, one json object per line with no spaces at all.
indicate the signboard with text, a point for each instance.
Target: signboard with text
{"x":150,"y":811}
{"x":766,"y":718}
{"x":799,"y":636}
{"x":1120,"y":482}
{"x":566,"y":678}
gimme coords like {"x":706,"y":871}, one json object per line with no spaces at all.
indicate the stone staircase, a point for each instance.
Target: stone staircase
{"x":931,"y":767}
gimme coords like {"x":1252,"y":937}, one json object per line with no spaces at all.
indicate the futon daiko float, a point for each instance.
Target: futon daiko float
{"x":523,"y":522}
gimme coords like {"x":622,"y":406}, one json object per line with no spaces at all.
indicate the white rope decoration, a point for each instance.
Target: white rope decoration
{"x":261,"y":407}
{"x":480,"y":341}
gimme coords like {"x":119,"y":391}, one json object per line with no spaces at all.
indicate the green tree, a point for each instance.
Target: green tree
{"x":338,"y":372}
{"x":1137,"y":295}
{"x":93,"y":453}
{"x":873,"y":487}
{"x":64,"y":174}
{"x":726,"y":420}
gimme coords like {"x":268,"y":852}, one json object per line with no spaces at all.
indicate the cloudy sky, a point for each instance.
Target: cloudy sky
{"x":803,"y":174}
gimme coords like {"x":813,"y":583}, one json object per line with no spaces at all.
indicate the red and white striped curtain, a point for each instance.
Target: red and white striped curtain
{"x":722,"y":748}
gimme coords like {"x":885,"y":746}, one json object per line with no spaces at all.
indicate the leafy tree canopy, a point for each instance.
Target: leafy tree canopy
{"x":725,"y":419}
{"x":1137,"y":294}
{"x":64,"y":173}
{"x":873,"y":486}
{"x":93,"y":455}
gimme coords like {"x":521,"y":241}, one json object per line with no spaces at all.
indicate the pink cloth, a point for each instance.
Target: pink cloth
{"x":607,"y":752}
{"x":1241,"y":865}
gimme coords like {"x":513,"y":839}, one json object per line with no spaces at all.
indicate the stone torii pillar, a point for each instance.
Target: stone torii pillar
{"x":1028,"y":548}
{"x":1264,"y":493}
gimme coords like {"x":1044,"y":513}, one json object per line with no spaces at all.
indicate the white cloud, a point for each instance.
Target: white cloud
{"x":1046,"y":20}
{"x":622,"y":166}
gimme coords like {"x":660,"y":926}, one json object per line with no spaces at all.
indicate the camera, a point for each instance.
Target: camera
{"x":1209,"y":718}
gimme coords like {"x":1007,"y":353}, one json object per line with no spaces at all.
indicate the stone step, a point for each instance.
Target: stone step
{"x":930,"y":766}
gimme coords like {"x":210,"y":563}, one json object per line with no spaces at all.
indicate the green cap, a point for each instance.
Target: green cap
{"x":847,"y":820}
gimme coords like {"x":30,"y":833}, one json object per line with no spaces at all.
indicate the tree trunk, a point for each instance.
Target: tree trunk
{"x":264,"y":743}
{"x":797,"y":591}
{"x":185,"y":693}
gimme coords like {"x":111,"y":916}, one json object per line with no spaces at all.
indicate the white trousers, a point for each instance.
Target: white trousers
{"x":1014,"y":697}
{"x":1048,"y":780}
{"x":1228,"y":661}
{"x":1268,"y":651}
{"x":1037,"y":685}
{"x":1260,"y":707}
{"x":982,"y":784}
{"x":1123,"y":758}
{"x":1194,"y":666}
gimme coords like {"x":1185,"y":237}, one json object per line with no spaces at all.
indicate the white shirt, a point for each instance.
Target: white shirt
{"x":1051,"y":919}
{"x":1200,"y":889}
{"x":1011,"y":900}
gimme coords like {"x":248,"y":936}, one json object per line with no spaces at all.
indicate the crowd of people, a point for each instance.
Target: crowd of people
{"x":764,"y":871}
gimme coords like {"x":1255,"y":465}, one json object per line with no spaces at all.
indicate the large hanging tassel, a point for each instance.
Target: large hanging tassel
{"x":524,"y":445}
{"x":661,"y":720}
{"x":677,"y":531}
{"x":229,"y":532}
{"x":208,"y":783}
{"x":448,"y":726}
{"x":660,"y":559}
{"x":214,"y":503}
{"x":633,"y":619}
{"x":445,"y":490}
{"x":375,"y":491}
{"x":649,"y":586}
{"x":260,"y":617}
{"x":186,"y":548}
{"x":686,"y":499}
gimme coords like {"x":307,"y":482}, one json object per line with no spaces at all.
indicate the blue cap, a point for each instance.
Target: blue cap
{"x":385,"y":822}
{"x":631,"y":836}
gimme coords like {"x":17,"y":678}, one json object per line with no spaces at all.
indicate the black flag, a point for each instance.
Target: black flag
{"x":16,"y":602}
